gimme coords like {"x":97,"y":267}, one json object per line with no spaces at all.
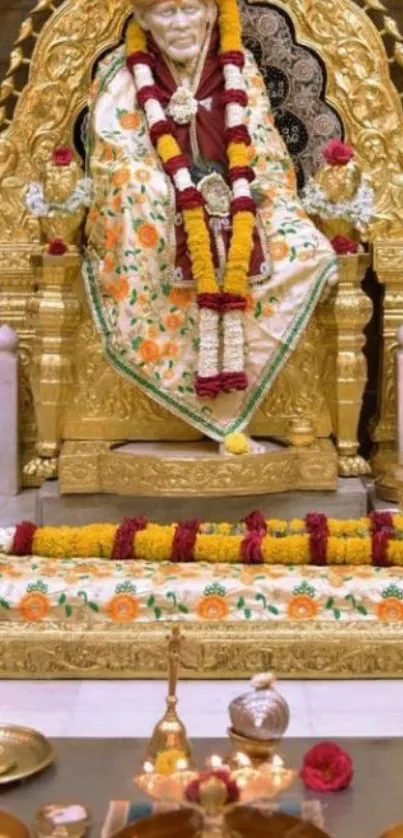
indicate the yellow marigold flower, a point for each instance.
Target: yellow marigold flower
{"x":238,"y":154}
{"x":398,"y":521}
{"x":336,"y":550}
{"x":135,"y":38}
{"x":224,"y":528}
{"x":166,"y":761}
{"x":237,"y":443}
{"x":293,"y":549}
{"x":218,"y":548}
{"x":154,"y":543}
{"x":95,"y":540}
{"x":395,"y":552}
{"x":230,"y":25}
{"x":348,"y":526}
{"x":297,"y":524}
{"x":236,"y":274}
{"x":276,"y":525}
{"x":199,"y":245}
{"x":358,"y":551}
{"x":167,"y":147}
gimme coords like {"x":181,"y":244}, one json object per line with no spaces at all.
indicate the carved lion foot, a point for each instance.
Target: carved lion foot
{"x":353,"y":467}
{"x":41,"y":468}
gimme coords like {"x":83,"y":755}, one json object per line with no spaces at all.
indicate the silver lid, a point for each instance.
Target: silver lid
{"x":261,"y":713}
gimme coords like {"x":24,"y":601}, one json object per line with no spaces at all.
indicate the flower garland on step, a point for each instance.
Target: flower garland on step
{"x":314,"y":540}
{"x":228,"y":374}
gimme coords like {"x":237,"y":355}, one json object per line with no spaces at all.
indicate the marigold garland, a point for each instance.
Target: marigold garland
{"x":314,"y":540}
{"x":213,"y":376}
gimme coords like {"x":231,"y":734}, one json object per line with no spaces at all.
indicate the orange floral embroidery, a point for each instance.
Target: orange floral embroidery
{"x":148,"y":235}
{"x":173,"y":321}
{"x":249,"y":303}
{"x":129,"y":121}
{"x":390,"y":610}
{"x":93,"y":214}
{"x":153,"y":331}
{"x":142,"y":175}
{"x":305,"y":255}
{"x":34,"y":607}
{"x":109,"y":263}
{"x":149,"y":351}
{"x":119,"y":288}
{"x":212,"y":608}
{"x":116,"y":202}
{"x":267,"y":310}
{"x":302,"y":607}
{"x":111,"y":239}
{"x":123,"y":608}
{"x":170,"y":349}
{"x":121,"y":177}
{"x":278,"y":249}
{"x":290,"y":178}
{"x":180,"y":297}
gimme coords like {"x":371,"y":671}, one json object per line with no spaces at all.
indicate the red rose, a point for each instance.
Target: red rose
{"x":343,"y":245}
{"x":62,"y":156}
{"x":57,"y":247}
{"x":192,"y":791}
{"x":327,"y":768}
{"x":337,"y":153}
{"x":256,"y":521}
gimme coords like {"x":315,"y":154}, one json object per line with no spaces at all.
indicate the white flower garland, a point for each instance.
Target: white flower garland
{"x":359,"y":210}
{"x":6,"y":539}
{"x":37,"y":204}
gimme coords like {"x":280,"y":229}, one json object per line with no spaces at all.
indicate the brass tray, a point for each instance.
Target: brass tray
{"x":23,"y":752}
{"x":11,"y":827}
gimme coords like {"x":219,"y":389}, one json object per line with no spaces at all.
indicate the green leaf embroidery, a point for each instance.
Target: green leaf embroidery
{"x":94,"y":606}
{"x":69,"y":610}
{"x":362,"y":610}
{"x":158,"y":613}
{"x":241,"y":602}
{"x":273,"y":609}
{"x":183,"y":608}
{"x":62,"y":599}
{"x":4,"y":603}
{"x":330,"y":602}
{"x":248,"y":613}
{"x":337,"y":613}
{"x":151,"y":601}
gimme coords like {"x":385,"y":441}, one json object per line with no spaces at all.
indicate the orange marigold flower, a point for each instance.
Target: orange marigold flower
{"x":249,"y":302}
{"x":390,"y":610}
{"x":149,"y":351}
{"x":148,"y":235}
{"x":212,"y":607}
{"x":34,"y":607}
{"x":278,"y":249}
{"x":129,"y":120}
{"x":305,"y":255}
{"x":180,"y":297}
{"x":173,"y":321}
{"x":302,"y":607}
{"x":123,"y":608}
{"x":121,"y":176}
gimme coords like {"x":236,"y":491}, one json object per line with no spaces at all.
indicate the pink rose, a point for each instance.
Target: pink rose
{"x":343,"y":245}
{"x":62,"y":156}
{"x":57,"y":247}
{"x":337,"y":153}
{"x":327,"y":767}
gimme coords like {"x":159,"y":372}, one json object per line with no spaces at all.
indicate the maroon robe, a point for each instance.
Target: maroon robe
{"x":210,"y":127}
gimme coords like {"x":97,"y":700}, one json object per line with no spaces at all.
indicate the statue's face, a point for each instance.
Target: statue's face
{"x":179,"y":27}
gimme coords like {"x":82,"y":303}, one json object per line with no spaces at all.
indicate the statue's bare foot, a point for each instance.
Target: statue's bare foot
{"x":239,"y":443}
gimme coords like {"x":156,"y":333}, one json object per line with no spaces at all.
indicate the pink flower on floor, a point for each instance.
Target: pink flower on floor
{"x":327,"y":767}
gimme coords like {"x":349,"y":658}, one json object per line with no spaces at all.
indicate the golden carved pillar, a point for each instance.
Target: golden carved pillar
{"x":54,"y":313}
{"x":344,"y":316}
{"x":388,"y":262}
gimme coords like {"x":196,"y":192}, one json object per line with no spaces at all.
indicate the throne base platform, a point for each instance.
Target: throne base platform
{"x":194,"y":469}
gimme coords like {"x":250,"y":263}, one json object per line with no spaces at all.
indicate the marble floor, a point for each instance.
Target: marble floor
{"x":131,"y":708}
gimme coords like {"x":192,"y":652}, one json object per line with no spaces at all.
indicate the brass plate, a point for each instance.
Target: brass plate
{"x":26,"y":750}
{"x":11,"y":827}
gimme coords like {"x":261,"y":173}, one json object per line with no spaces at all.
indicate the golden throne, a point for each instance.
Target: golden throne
{"x":328,"y":73}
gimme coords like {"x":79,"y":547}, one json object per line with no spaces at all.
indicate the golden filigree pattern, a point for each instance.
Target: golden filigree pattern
{"x":310,"y":650}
